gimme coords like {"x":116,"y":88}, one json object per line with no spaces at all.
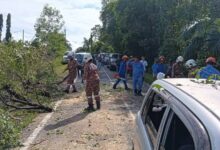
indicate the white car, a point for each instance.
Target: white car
{"x":65,"y":56}
{"x":81,"y":57}
{"x":179,"y":114}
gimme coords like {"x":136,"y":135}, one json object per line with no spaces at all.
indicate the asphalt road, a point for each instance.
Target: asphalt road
{"x":69,"y":128}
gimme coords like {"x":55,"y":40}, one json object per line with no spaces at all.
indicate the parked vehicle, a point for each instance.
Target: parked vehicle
{"x":106,"y":59}
{"x":81,"y":57}
{"x":113,"y":61}
{"x":179,"y":114}
{"x":65,"y":56}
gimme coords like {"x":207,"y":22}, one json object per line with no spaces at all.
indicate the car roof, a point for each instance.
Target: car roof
{"x":206,"y":94}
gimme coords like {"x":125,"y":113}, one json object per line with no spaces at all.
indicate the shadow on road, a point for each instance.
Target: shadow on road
{"x":76,"y":118}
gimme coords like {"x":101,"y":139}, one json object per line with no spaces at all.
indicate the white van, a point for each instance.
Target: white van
{"x":80,"y":57}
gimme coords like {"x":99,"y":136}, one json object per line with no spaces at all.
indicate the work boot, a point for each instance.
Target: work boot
{"x":90,"y":108}
{"x":114,"y":86}
{"x":135,"y":92}
{"x":67,"y":90}
{"x":139,"y":93}
{"x":74,"y":89}
{"x":98,"y":104}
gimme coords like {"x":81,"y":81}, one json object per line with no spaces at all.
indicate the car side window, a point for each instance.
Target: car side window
{"x":153,"y":114}
{"x":178,"y":136}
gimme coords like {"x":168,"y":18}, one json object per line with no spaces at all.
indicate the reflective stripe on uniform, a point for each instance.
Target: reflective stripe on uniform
{"x":89,"y":97}
{"x":96,"y":96}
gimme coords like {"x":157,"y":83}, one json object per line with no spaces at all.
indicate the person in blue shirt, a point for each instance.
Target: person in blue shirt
{"x":159,"y":66}
{"x":138,"y":74}
{"x":122,"y":73}
{"x":209,"y":70}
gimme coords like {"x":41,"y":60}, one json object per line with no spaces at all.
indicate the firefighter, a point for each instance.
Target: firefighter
{"x":177,"y":68}
{"x":209,"y":71}
{"x":72,"y":68}
{"x":192,"y":68}
{"x":92,"y":81}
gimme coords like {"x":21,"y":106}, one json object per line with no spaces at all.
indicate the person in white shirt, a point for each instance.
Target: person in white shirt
{"x":144,"y":62}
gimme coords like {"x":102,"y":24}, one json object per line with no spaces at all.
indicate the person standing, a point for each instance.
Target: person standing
{"x":177,"y":68}
{"x":144,"y":62}
{"x":209,"y":71}
{"x":191,"y":67}
{"x":154,"y":68}
{"x":72,"y":68}
{"x":159,"y":66}
{"x":138,"y":74}
{"x":92,"y":80}
{"x":122,"y":73}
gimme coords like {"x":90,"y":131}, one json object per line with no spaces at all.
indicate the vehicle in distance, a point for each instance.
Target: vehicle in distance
{"x":65,"y":56}
{"x":81,"y":57}
{"x":114,"y":60}
{"x":179,"y":114}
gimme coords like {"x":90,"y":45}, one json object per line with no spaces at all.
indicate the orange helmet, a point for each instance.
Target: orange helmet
{"x":211,"y":60}
{"x":125,"y":57}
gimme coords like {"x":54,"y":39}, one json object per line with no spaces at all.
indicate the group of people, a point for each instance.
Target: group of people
{"x":137,"y":67}
{"x":91,"y":78}
{"x":189,"y":69}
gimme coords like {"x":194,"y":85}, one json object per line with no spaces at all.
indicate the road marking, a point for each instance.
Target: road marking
{"x":126,"y":105}
{"x":42,"y":124}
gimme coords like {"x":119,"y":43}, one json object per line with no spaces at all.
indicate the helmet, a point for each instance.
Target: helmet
{"x":190,"y":63}
{"x":161,"y":58}
{"x":88,"y":58}
{"x":179,"y":59}
{"x":160,"y":75}
{"x":70,"y":56}
{"x":211,"y":60}
{"x":125,"y":57}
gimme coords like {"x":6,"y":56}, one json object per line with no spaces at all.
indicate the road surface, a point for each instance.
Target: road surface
{"x":69,"y":128}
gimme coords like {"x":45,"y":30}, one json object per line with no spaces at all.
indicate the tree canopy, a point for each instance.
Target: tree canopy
{"x":161,"y":27}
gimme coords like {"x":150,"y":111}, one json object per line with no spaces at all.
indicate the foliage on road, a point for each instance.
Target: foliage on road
{"x":9,"y":133}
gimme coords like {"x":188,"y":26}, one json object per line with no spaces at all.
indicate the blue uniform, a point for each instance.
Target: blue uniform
{"x":138,"y":74}
{"x":122,"y":69}
{"x":156,"y":68}
{"x":208,"y":71}
{"x":122,"y":74}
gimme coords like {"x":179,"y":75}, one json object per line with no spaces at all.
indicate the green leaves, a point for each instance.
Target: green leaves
{"x":9,"y":134}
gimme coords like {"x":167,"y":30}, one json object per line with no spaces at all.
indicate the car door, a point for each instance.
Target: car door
{"x":182,"y":130}
{"x":149,"y":119}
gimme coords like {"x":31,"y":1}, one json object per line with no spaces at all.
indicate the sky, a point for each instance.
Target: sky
{"x":79,"y":16}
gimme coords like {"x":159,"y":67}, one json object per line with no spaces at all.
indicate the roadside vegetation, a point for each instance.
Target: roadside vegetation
{"x":151,"y":28}
{"x":29,"y":75}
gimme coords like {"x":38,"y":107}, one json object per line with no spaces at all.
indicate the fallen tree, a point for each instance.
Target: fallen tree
{"x":27,"y":77}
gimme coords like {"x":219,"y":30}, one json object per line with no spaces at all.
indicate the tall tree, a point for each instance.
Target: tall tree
{"x":49,"y":31}
{"x":8,"y":28}
{"x":50,"y":21}
{"x":1,"y":26}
